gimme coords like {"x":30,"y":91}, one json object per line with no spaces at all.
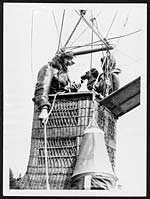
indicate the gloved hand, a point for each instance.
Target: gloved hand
{"x":44,"y":114}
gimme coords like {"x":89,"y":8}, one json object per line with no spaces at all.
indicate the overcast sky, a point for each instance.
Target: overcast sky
{"x":23,"y":57}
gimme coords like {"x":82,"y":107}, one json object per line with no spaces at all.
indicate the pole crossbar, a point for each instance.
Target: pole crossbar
{"x":81,"y":15}
{"x":98,"y":35}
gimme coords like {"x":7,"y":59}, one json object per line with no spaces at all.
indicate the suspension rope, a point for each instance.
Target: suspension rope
{"x":124,"y":54}
{"x":100,"y":74}
{"x":74,"y":47}
{"x":111,"y":24}
{"x":99,"y":36}
{"x":82,"y":32}
{"x":56,"y":26}
{"x":126,"y":20}
{"x":110,"y":38}
{"x":81,"y":15}
{"x":61,"y":30}
{"x":92,"y":21}
{"x":32,"y":47}
{"x":125,"y":35}
{"x":79,"y":36}
{"x":96,"y":25}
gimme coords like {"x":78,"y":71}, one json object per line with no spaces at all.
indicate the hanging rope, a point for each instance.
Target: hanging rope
{"x":79,"y":36}
{"x":126,"y":20}
{"x":96,"y":82}
{"x":61,"y":30}
{"x":94,"y":43}
{"x":45,"y":139}
{"x":82,"y":32}
{"x":125,"y":35}
{"x":96,"y":25}
{"x":99,"y":36}
{"x":82,"y":12}
{"x":92,"y":21}
{"x":111,"y":24}
{"x":32,"y":47}
{"x":56,"y":26}
{"x":46,"y":156}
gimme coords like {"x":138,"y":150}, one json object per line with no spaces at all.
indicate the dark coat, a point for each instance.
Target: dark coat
{"x":49,"y":83}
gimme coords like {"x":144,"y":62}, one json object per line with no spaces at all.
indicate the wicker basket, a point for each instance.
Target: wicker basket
{"x":70,"y":116}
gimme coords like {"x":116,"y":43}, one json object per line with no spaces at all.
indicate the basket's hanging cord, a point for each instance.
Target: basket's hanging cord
{"x":92,"y":21}
{"x":61,"y":30}
{"x":82,"y":13}
{"x":45,"y":138}
{"x":111,"y":24}
{"x":56,"y":26}
{"x":31,"y":47}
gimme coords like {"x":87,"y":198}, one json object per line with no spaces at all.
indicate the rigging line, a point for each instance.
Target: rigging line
{"x":81,"y":14}
{"x":124,"y":25}
{"x":99,"y":36}
{"x":124,"y":54}
{"x":56,"y":26}
{"x":111,"y":24}
{"x":124,"y":35}
{"x":116,"y":37}
{"x":32,"y":46}
{"x":74,"y":47}
{"x":92,"y":21}
{"x":83,"y":32}
{"x":79,"y":36}
{"x":61,"y":30}
{"x":96,"y":25}
{"x":99,"y":33}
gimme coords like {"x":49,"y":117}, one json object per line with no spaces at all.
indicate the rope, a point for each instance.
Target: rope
{"x":79,"y":36}
{"x":46,"y":158}
{"x":82,"y":32}
{"x":112,"y":38}
{"x":92,"y":21}
{"x":111,"y":23}
{"x":126,"y":20}
{"x":73,"y":30}
{"x":100,"y":75}
{"x":125,"y":35}
{"x":56,"y":26}
{"x":61,"y":30}
{"x":96,"y":25}
{"x":45,"y":139}
{"x":99,"y":36}
{"x":74,"y":47}
{"x":32,"y":46}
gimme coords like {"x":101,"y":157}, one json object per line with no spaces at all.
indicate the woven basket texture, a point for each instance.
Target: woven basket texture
{"x":69,"y":118}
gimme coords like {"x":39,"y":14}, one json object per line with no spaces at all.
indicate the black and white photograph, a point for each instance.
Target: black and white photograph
{"x":75,"y":78}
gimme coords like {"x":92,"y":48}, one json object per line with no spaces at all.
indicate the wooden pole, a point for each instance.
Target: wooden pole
{"x":92,"y":50}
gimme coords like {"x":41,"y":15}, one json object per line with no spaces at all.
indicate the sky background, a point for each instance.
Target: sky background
{"x":31,"y":40}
